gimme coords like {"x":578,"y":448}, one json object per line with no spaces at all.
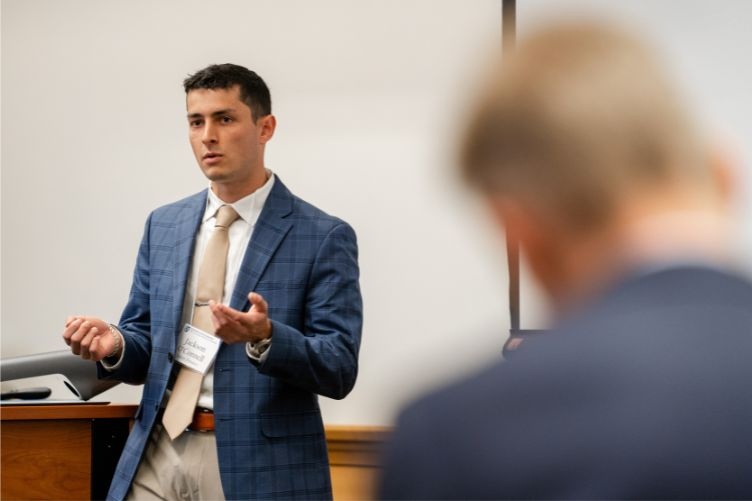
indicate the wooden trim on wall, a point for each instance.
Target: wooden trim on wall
{"x":355,"y":459}
{"x":356,"y":445}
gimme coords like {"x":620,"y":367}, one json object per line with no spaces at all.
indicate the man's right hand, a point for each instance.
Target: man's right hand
{"x":90,"y":338}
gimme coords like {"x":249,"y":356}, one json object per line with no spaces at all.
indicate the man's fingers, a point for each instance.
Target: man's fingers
{"x":222,"y":319}
{"x":233,"y":326}
{"x":228,"y":313}
{"x":67,"y":333}
{"x":83,"y":329}
{"x":100,"y":346}
{"x":218,"y":313}
{"x":215,"y":319}
{"x":70,"y":329}
{"x":94,"y":349}
{"x":86,"y":337}
{"x":86,"y":341}
{"x":258,"y":303}
{"x":79,"y":333}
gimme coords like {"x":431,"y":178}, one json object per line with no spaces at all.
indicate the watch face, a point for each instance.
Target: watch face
{"x":263,"y":345}
{"x":256,"y":350}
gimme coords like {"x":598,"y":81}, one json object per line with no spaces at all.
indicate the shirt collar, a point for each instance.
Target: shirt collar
{"x":248,"y":208}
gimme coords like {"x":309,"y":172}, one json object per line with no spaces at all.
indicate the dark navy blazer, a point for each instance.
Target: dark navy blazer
{"x":270,"y":436}
{"x":645,"y":394}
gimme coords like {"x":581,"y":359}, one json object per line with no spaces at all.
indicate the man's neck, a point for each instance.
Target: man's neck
{"x":232,"y":192}
{"x":680,"y":235}
{"x":663,"y":235}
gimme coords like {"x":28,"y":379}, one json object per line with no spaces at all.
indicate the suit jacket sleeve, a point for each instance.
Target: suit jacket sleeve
{"x":324,"y":357}
{"x":135,"y":322}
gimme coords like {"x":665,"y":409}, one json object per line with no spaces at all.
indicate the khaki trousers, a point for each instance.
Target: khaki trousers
{"x":183,"y":469}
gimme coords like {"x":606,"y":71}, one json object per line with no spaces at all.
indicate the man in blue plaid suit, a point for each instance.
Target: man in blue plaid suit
{"x":290,"y":321}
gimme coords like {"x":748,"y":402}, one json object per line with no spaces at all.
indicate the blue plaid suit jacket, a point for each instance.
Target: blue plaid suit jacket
{"x":270,"y":436}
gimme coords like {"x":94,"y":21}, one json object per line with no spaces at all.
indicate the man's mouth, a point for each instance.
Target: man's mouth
{"x":212,"y":157}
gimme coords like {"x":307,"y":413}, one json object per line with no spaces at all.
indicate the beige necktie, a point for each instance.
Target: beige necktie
{"x":211,"y":284}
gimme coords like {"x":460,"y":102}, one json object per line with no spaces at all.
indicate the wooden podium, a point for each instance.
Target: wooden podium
{"x":61,"y":451}
{"x":70,"y":452}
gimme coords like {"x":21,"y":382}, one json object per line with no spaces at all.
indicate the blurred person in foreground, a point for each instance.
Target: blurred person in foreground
{"x":586,"y":155}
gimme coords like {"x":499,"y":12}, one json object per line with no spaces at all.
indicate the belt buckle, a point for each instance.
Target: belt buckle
{"x":203,"y":420}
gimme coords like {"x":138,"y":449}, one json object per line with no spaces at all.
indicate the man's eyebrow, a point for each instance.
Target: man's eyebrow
{"x":214,"y":114}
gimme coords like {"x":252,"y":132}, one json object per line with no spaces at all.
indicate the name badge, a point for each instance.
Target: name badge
{"x":197,"y":349}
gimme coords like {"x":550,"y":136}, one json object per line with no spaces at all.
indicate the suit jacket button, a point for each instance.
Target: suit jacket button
{"x":169,"y":357}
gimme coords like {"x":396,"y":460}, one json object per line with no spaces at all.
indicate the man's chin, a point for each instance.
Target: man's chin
{"x":215,"y":174}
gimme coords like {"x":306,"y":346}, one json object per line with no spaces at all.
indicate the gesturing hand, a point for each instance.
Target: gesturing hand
{"x":89,"y":337}
{"x":233,"y":326}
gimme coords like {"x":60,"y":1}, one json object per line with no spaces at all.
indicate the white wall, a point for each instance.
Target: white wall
{"x":366,"y":96}
{"x":369,"y":97}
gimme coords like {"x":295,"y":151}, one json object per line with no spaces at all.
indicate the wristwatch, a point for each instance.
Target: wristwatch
{"x":255,"y":350}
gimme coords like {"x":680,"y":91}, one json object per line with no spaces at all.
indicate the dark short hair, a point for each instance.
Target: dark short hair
{"x":253,"y":89}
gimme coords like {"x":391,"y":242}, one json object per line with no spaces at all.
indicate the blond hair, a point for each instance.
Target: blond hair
{"x":579,"y":116}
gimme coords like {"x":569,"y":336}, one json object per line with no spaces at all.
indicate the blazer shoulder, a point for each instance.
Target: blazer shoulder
{"x":307,"y":215}
{"x":305,"y":211}
{"x":174,"y":211}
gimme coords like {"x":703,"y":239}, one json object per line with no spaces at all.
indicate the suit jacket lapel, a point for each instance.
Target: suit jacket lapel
{"x":186,"y":227}
{"x":270,"y":230}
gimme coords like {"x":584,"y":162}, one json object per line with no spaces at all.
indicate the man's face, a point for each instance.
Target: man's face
{"x":227,"y":143}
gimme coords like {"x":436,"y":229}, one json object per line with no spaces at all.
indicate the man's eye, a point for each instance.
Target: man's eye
{"x":226,"y":120}
{"x":195,"y":123}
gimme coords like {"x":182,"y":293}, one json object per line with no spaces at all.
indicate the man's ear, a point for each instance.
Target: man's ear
{"x":513,"y":218}
{"x":267,"y":125}
{"x":537,"y":236}
{"x":724,"y":166}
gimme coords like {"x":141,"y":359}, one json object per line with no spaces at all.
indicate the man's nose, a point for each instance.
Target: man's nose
{"x":209,"y":136}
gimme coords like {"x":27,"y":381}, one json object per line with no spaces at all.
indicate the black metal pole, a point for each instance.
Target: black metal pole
{"x":508,"y":37}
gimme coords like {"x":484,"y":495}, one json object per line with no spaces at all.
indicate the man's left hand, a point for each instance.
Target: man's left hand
{"x":233,"y":326}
